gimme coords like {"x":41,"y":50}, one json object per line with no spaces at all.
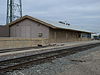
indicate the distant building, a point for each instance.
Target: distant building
{"x":4,"y":31}
{"x":96,"y":37}
{"x":29,"y":27}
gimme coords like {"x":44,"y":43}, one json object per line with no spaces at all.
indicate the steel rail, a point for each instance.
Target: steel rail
{"x":41,"y":58}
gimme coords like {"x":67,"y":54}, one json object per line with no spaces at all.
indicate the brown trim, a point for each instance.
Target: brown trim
{"x":42,"y":22}
{"x":31,"y":18}
{"x":74,"y":30}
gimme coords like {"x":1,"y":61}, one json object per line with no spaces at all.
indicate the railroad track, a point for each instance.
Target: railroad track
{"x":25,"y":62}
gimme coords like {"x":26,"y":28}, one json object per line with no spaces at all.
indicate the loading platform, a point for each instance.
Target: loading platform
{"x":22,"y":52}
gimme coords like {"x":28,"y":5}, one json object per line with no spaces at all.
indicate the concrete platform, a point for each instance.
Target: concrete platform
{"x":59,"y":46}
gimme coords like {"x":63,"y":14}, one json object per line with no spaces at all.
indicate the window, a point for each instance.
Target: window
{"x":85,"y":35}
{"x":40,"y":34}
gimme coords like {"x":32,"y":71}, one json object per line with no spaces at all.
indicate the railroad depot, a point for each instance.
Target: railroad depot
{"x":31,"y":28}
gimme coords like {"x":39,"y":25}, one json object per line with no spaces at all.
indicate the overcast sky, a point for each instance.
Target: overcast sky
{"x":82,"y":13}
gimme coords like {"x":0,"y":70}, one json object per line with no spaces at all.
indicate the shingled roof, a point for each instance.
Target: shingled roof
{"x":51,"y":24}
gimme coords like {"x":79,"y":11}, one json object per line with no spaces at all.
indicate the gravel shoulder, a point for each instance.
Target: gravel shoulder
{"x":89,"y":66}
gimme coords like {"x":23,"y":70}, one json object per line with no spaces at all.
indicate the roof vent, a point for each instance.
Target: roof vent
{"x":64,"y":23}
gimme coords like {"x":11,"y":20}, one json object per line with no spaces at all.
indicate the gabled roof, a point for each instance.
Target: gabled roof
{"x":31,"y":18}
{"x":54,"y":25}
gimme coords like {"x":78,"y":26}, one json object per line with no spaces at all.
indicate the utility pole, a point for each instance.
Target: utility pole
{"x":14,"y":10}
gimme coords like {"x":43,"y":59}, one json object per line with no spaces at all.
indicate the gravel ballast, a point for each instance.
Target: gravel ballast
{"x":82,"y":63}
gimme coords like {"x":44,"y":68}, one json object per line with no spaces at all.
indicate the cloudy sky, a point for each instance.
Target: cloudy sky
{"x":82,"y":13}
